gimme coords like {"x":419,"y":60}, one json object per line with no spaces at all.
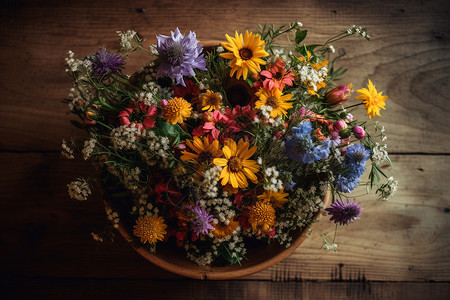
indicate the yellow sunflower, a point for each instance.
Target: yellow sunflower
{"x":276,"y":198}
{"x":177,"y":110}
{"x":373,"y":100}
{"x":150,"y":229}
{"x":210,"y":101}
{"x":222,"y":230}
{"x":236,"y":166}
{"x":245,"y":53}
{"x":204,"y":151}
{"x":262,"y":217}
{"x":274,"y":99}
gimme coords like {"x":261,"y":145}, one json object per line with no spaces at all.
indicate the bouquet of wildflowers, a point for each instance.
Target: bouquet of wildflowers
{"x":212,"y":148}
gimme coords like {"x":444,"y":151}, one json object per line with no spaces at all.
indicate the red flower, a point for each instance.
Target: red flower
{"x":217,"y":121}
{"x":278,"y":77}
{"x":140,"y":114}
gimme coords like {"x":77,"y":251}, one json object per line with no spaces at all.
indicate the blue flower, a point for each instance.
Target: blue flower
{"x":356,"y":158}
{"x":105,"y":62}
{"x":304,"y":129}
{"x":179,"y":56}
{"x":346,"y":183}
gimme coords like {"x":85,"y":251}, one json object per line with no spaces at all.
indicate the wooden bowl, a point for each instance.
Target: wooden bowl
{"x":173,"y":259}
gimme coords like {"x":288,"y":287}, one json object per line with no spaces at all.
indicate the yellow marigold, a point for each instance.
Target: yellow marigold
{"x":204,"y":151}
{"x":177,"y":110}
{"x":245,"y":53}
{"x":262,"y":217}
{"x":277,"y":199}
{"x":210,"y":100}
{"x":236,"y":166}
{"x":274,"y":99}
{"x":222,"y":230}
{"x":373,"y":100}
{"x":150,"y":229}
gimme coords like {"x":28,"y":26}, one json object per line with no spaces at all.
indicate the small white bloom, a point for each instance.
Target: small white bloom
{"x":79,"y":189}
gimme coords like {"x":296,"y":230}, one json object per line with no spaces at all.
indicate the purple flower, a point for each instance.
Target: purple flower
{"x":201,"y":223}
{"x":344,"y":213}
{"x":179,"y":56}
{"x":106,"y":62}
{"x":355,"y":159}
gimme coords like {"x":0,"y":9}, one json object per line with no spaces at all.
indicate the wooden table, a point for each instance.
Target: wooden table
{"x":398,"y":250}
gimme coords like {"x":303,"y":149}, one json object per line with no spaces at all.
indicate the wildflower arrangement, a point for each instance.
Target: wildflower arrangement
{"x":213,"y":148}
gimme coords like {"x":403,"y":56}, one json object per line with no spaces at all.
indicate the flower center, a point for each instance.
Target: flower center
{"x":235,"y":164}
{"x":272,"y":101}
{"x":175,"y":54}
{"x":245,"y":53}
{"x":205,"y":156}
{"x":278,"y":76}
{"x":213,"y":100}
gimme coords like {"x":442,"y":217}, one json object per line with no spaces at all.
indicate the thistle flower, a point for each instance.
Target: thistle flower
{"x":105,"y":62}
{"x":344,"y":213}
{"x":180,"y":55}
{"x":202,"y":220}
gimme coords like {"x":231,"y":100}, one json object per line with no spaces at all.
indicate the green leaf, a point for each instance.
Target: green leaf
{"x":300,"y":35}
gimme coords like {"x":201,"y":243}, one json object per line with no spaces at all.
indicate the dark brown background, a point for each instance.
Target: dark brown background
{"x":398,"y":250}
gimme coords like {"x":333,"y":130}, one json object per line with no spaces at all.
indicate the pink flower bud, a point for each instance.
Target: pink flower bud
{"x":339,"y":94}
{"x":339,"y":125}
{"x":359,"y":132}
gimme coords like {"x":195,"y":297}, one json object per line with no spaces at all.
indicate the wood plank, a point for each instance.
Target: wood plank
{"x":53,"y":288}
{"x":408,"y":56}
{"x":44,"y":233}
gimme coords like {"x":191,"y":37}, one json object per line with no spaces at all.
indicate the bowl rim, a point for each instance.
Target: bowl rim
{"x":221,"y":273}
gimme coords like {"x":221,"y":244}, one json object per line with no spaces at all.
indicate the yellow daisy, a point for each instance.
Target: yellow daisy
{"x":222,"y":230}
{"x":210,"y":101}
{"x":245,"y":53}
{"x":262,"y":217}
{"x":274,"y":99}
{"x":276,"y":198}
{"x":204,"y":151}
{"x":236,"y":166}
{"x":150,"y":229}
{"x":177,"y":110}
{"x":373,"y":100}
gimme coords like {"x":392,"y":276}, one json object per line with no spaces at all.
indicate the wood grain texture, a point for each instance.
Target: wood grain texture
{"x":229,"y":290}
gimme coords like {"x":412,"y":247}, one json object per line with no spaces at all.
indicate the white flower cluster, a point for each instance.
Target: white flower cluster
{"x":125,"y":137}
{"x":79,"y":92}
{"x":127,"y":40}
{"x":158,"y":149}
{"x":381,"y":130}
{"x":88,"y":148}
{"x":130,"y":178}
{"x":66,"y":151}
{"x":331,"y":48}
{"x":113,"y":217}
{"x":79,"y":189}
{"x":332,"y":246}
{"x":379,"y":154}
{"x":209,"y":182}
{"x":271,"y":180}
{"x":148,"y":97}
{"x":310,"y":76}
{"x":74,"y":65}
{"x":201,"y":260}
{"x":282,"y":53}
{"x":265,"y":111}
{"x":388,"y":189}
{"x":358,"y":30}
{"x":97,"y":237}
{"x":144,"y":207}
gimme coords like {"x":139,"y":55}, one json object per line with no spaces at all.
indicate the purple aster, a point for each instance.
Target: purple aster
{"x":179,"y":56}
{"x":105,"y":62}
{"x":202,"y":220}
{"x":344,"y":213}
